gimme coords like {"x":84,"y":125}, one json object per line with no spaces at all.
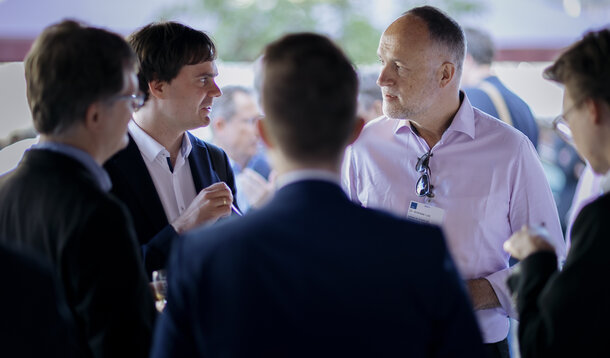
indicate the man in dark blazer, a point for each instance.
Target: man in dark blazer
{"x":170,"y":180}
{"x":82,"y":90}
{"x":35,"y":309}
{"x":312,"y":274}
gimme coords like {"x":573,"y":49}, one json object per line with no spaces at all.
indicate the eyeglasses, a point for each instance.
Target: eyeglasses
{"x":563,"y":131}
{"x":561,"y":126}
{"x":423,"y":186}
{"x":137,"y":100}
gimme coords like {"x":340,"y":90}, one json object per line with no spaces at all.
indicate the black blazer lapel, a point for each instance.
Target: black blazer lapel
{"x":200,"y":163}
{"x":132,"y":183}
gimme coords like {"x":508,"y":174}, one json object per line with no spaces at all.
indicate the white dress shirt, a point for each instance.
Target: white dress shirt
{"x":176,"y":188}
{"x":487,"y":178}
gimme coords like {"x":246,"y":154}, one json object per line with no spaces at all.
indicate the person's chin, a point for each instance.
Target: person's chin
{"x":204,"y":121}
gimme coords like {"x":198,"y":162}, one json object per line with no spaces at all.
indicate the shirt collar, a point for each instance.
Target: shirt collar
{"x":150,"y":148}
{"x":307,"y":174}
{"x":463,"y":121}
{"x":101,"y":176}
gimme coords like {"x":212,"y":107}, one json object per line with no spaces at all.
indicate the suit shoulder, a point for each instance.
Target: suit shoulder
{"x":390,"y":224}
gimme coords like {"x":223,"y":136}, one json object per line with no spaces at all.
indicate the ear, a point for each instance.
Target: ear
{"x":594,"y":108}
{"x":447,"y":72}
{"x":157,"y":88}
{"x":357,"y":130}
{"x":263,"y":133}
{"x":92,"y":116}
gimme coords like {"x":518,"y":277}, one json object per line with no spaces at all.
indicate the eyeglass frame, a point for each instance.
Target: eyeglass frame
{"x":561,"y":127}
{"x":136,"y":99}
{"x":422,"y":167}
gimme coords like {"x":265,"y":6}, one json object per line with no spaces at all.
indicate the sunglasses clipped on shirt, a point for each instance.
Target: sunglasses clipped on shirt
{"x":423,"y":186}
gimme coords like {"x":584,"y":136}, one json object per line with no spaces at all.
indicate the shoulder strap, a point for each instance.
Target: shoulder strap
{"x":498,"y":101}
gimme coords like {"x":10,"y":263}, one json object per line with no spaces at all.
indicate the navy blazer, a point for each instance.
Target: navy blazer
{"x":132,"y":183}
{"x":313,"y":275}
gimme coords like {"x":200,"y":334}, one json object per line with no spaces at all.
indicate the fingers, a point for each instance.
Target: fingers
{"x":527,"y":241}
{"x":216,"y":193}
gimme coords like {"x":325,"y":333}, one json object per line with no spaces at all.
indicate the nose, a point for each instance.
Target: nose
{"x":384,"y":78}
{"x":215,"y":92}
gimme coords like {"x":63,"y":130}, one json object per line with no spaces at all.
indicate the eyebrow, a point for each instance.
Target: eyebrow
{"x":207,"y":74}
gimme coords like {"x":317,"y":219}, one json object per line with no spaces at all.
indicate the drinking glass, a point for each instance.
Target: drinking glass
{"x":159,"y":284}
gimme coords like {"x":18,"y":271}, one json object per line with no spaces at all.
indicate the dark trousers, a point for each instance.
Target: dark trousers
{"x":498,"y":349}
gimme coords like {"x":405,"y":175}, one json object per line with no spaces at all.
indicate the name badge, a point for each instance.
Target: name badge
{"x":425,"y":213}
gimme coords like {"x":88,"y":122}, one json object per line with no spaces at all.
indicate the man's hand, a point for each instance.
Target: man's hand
{"x":256,"y":189}
{"x":208,"y":206}
{"x":482,"y":294}
{"x":527,"y":241}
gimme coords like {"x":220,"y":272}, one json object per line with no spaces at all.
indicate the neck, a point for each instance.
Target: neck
{"x":169,"y":138}
{"x":433,"y":126}
{"x":283,"y":165}
{"x":80,"y":139}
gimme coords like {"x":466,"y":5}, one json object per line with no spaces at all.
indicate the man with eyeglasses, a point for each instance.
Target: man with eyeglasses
{"x":82,"y":90}
{"x":234,"y":128}
{"x":565,"y":313}
{"x":434,"y":158}
{"x":170,"y":180}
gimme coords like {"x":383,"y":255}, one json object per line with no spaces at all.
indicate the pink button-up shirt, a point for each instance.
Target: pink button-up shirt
{"x":488,"y":179}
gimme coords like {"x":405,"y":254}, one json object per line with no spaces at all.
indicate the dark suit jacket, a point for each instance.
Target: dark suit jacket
{"x":35,"y":320}
{"x":132,"y":183}
{"x":314,"y":275}
{"x":521,"y":115}
{"x":566,"y":313}
{"x":52,"y":205}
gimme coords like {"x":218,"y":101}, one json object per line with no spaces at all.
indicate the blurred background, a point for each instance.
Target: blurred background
{"x":528,"y":35}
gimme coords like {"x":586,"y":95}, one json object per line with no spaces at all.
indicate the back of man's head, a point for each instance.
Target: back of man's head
{"x":309,"y":95}
{"x":479,"y":45}
{"x":69,"y":67}
{"x":164,"y":48}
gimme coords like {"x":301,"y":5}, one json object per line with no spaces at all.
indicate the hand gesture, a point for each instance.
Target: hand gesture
{"x":254,"y":186}
{"x":208,"y":206}
{"x":528,"y":241}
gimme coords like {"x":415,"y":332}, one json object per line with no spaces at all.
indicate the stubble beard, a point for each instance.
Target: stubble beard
{"x":395,"y":111}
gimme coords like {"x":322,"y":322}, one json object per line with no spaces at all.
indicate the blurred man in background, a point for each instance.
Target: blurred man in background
{"x":485,"y":90}
{"x":234,"y":117}
{"x":370,"y":99}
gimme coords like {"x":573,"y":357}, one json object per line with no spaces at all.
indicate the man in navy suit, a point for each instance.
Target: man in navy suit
{"x":311,"y":274}
{"x":170,"y":180}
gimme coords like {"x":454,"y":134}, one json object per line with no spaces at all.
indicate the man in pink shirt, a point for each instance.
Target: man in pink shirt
{"x":434,"y":158}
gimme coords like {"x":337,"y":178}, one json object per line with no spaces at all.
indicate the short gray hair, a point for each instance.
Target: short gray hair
{"x":224,"y":106}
